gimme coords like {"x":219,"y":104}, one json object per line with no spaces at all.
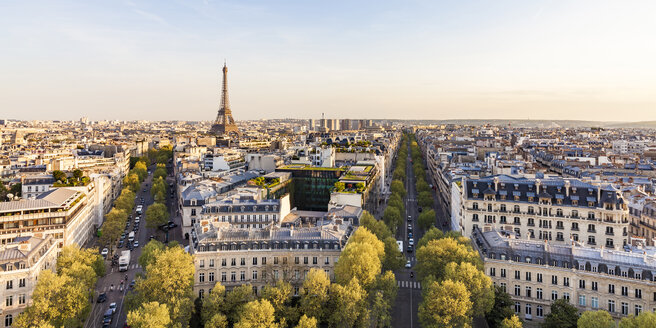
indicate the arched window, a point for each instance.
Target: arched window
{"x":9,"y":320}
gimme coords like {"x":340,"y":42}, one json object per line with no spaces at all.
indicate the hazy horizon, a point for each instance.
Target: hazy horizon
{"x":161,"y":60}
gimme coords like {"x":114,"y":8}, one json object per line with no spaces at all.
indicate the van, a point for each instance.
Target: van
{"x":131,"y":236}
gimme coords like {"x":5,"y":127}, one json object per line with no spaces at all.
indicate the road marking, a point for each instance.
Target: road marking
{"x":408,"y":284}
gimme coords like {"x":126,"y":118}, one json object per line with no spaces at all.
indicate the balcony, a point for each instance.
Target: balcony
{"x":609,"y":233}
{"x":592,"y":231}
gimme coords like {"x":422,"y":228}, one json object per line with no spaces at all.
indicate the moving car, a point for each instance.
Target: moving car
{"x":408,"y":264}
{"x":102,"y":298}
{"x":136,"y":244}
{"x":411,"y":242}
{"x":410,"y":248}
{"x":112,"y":306}
{"x":104,"y":252}
{"x":419,"y":209}
{"x":409,"y":218}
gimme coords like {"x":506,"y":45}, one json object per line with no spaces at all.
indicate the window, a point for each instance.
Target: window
{"x":210,"y":277}
{"x":539,"y":277}
{"x":503,"y":286}
{"x":242,"y":275}
{"x":518,"y":307}
{"x":493,"y":272}
{"x":315,"y":260}
{"x":21,"y":299}
{"x":528,"y":308}
{"x":638,"y":309}
{"x":275,"y":260}
{"x":233,"y":276}
{"x":554,"y":280}
{"x":581,"y":300}
{"x":201,"y":293}
{"x":10,"y":284}
{"x":201,"y":277}
{"x":21,"y":282}
{"x":264,"y":261}
{"x":211,"y":263}
{"x":9,"y":301}
{"x":611,"y":306}
{"x":625,"y":308}
{"x":625,"y":291}
{"x":254,"y":260}
{"x":255,"y":275}
{"x":9,"y":320}
{"x":594,"y":302}
{"x":566,"y":281}
{"x":305,"y":260}
{"x":223,"y":262}
{"x":223,"y":276}
{"x":243,"y":261}
{"x":554,"y":295}
{"x":528,"y":291}
{"x":518,"y":290}
{"x":528,"y":276}
{"x":233,"y":261}
{"x":539,"y":312}
{"x":611,"y":289}
{"x":582,"y":284}
{"x":638,"y":293}
{"x":327,"y":260}
{"x":503,"y":273}
{"x":201,"y":263}
{"x":594,"y":286}
{"x":518,"y":275}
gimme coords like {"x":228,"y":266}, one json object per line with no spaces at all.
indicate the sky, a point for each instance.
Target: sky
{"x":415,"y":59}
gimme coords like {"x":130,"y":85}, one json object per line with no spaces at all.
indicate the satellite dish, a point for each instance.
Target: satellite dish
{"x":10,"y":196}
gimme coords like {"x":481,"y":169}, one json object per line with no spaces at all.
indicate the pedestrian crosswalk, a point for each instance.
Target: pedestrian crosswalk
{"x":408,"y":284}
{"x":131,"y":267}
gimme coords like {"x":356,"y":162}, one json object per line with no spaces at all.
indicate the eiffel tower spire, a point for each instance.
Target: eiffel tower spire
{"x":224,"y":123}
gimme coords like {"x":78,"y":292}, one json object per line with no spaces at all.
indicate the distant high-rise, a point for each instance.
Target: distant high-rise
{"x":224,"y":123}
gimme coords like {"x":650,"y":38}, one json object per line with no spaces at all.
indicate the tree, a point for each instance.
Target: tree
{"x":217,"y":321}
{"x":363,"y":235}
{"x":382,"y":297}
{"x":16,"y":189}
{"x":257,"y":314}
{"x":59,"y":176}
{"x":425,"y":199}
{"x":422,"y":185}
{"x":432,"y":234}
{"x":113,"y":227}
{"x":156,"y":215}
{"x":398,"y":187}
{"x":132,"y":181}
{"x":445,"y":304}
{"x":339,"y":186}
{"x":501,"y":309}
{"x":512,"y":322}
{"x":433,"y":258}
{"x":392,"y":218}
{"x":359,"y":261}
{"x":563,"y":315}
{"x":348,"y":306}
{"x":78,"y":174}
{"x":236,"y":300}
{"x":150,"y":315}
{"x":213,"y":304}
{"x":125,"y":201}
{"x":394,"y":259}
{"x":643,"y":320}
{"x":314,"y":294}
{"x":88,"y":256}
{"x":426,"y":219}
{"x":477,"y":283}
{"x":160,"y":172}
{"x":279,"y":295}
{"x":378,"y":228}
{"x":141,"y":170}
{"x":307,"y":322}
{"x":149,"y":252}
{"x":595,"y":319}
{"x":169,"y":280}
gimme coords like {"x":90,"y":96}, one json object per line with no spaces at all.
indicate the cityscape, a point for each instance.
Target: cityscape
{"x":349,"y":191}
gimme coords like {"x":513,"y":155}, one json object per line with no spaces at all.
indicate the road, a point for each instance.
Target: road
{"x":113,"y":276}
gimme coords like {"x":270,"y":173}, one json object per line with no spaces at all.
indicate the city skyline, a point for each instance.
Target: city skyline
{"x":420,"y":60}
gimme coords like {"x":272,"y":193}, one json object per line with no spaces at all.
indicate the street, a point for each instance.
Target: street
{"x":113,"y":276}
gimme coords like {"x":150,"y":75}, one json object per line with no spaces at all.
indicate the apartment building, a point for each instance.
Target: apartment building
{"x":551,"y":209}
{"x":536,"y":273}
{"x":66,"y":214}
{"x":234,"y":256}
{"x":21,"y":262}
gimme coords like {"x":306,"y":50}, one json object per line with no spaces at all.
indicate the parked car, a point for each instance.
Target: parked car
{"x":411,"y":242}
{"x":172,"y":225}
{"x":409,"y":218}
{"x":136,"y":244}
{"x":408,"y":264}
{"x":104,"y":252}
{"x":112,"y":306}
{"x":419,"y":209}
{"x":410,"y":248}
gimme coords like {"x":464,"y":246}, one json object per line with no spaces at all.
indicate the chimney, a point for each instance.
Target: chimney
{"x":25,"y":246}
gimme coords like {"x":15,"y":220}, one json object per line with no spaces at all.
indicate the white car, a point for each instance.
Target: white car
{"x":411,"y":241}
{"x":136,"y":244}
{"x":104,"y":252}
{"x":112,"y":306}
{"x":408,"y":264}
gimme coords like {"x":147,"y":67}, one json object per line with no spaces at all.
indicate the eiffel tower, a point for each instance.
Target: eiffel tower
{"x":224,"y":124}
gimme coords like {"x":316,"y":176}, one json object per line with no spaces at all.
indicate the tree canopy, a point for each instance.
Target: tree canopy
{"x":446,"y":304}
